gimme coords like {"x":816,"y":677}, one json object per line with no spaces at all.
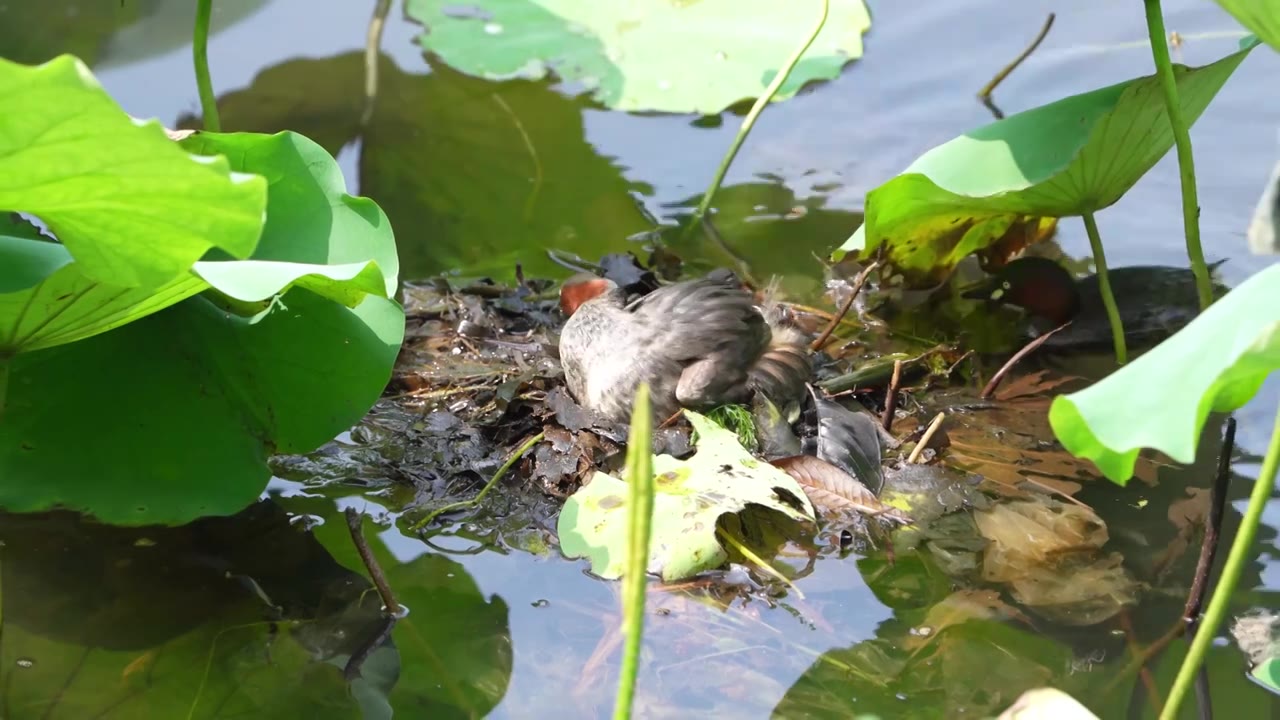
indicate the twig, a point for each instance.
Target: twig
{"x":985,"y":93}
{"x":484,"y":490}
{"x":200,"y":56}
{"x":1239,"y":556}
{"x":355,"y":523}
{"x":375,"y":640}
{"x":861,"y":280}
{"x":1029,"y":348}
{"x":1212,"y":529}
{"x":924,"y":439}
{"x":372,"y":44}
{"x":750,"y":120}
{"x":891,"y":398}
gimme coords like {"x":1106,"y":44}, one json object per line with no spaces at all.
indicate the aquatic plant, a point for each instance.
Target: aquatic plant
{"x":174,"y":308}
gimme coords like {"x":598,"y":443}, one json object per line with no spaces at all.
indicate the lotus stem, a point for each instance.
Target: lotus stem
{"x":200,"y":53}
{"x":1236,"y":560}
{"x":1182,"y":141}
{"x":372,"y":46}
{"x":639,"y":474}
{"x":1104,"y":286}
{"x":750,"y":120}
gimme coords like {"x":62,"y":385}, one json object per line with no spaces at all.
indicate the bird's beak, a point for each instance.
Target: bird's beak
{"x":987,"y":289}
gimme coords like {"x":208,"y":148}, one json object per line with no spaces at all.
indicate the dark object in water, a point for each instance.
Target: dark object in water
{"x":1154,"y":301}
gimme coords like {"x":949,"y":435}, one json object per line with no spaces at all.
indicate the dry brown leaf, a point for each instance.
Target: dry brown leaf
{"x":831,"y":488}
{"x":1036,"y":383}
{"x":1011,"y":444}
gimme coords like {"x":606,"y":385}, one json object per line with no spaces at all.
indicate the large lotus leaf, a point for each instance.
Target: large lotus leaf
{"x":653,"y":55}
{"x":316,"y":237}
{"x":691,"y":496}
{"x":1133,"y":408}
{"x":1076,"y":155}
{"x":1261,"y":17}
{"x":172,"y":417}
{"x":46,"y":300}
{"x":132,"y":207}
{"x":475,"y":175}
{"x":310,"y":217}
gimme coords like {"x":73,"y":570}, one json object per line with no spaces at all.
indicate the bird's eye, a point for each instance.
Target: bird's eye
{"x":1006,"y":285}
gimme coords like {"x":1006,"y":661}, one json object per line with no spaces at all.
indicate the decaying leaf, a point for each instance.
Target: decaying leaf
{"x":692,"y":497}
{"x":960,"y":607}
{"x":1009,"y":442}
{"x":1048,"y":554}
{"x":833,"y":489}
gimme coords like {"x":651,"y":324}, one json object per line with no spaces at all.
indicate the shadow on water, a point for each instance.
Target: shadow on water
{"x":252,"y":614}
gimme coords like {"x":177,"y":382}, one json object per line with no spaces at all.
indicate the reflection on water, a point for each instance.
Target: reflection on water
{"x":257,"y":615}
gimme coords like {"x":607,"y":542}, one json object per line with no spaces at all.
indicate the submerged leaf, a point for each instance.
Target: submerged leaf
{"x":692,"y":496}
{"x":1010,"y":443}
{"x":831,"y":488}
{"x":1047,"y":553}
{"x":650,"y":55}
{"x":1111,"y":421}
{"x":1003,"y":183}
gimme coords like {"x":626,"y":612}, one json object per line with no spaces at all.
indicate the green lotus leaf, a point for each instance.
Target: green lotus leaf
{"x":1002,"y":184}
{"x":132,"y":207}
{"x":1133,"y":408}
{"x":173,"y":417}
{"x":653,"y":55}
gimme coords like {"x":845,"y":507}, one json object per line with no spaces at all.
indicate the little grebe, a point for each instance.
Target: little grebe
{"x":698,"y":344}
{"x":1154,"y":301}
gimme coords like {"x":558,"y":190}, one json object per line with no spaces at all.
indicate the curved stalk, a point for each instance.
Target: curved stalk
{"x":519,"y":453}
{"x":639,"y":474}
{"x":750,"y":120}
{"x":1104,"y":286}
{"x":1239,"y":556}
{"x":200,"y":53}
{"x":1182,"y":141}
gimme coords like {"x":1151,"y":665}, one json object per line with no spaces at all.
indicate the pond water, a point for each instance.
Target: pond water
{"x":499,"y":624}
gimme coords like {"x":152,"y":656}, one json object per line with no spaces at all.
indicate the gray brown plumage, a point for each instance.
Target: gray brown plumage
{"x":698,"y":343}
